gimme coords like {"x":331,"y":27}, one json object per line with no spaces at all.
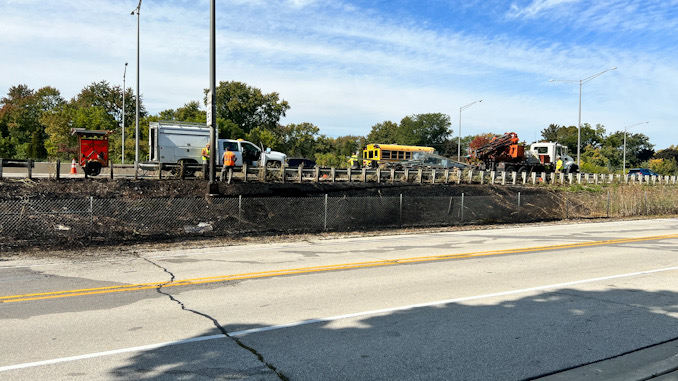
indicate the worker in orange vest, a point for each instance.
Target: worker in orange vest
{"x":205,"y":153}
{"x":229,"y":163}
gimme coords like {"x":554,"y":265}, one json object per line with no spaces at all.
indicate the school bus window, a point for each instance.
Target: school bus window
{"x":385,"y":154}
{"x":401,"y":155}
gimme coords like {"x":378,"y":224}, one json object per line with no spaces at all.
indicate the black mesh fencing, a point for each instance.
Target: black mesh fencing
{"x":43,"y":222}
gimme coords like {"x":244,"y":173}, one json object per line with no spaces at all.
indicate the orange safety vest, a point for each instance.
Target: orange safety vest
{"x":229,"y":158}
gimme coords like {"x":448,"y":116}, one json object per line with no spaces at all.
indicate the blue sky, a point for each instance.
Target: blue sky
{"x":347,"y":65}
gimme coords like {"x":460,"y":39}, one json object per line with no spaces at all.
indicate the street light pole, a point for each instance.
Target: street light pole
{"x":581,"y":82}
{"x":462,"y":108}
{"x":123,"y":112}
{"x":211,"y":106}
{"x":625,"y":128}
{"x":136,"y":129}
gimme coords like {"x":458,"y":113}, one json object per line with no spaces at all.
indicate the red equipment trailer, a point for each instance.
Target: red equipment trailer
{"x":92,"y":149}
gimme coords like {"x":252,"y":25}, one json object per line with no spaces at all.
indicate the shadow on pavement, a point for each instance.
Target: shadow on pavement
{"x":520,"y":339}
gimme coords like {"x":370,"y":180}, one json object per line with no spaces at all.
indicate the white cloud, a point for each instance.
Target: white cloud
{"x":537,"y":7}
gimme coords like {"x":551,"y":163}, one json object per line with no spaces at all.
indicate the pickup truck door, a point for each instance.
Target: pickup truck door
{"x":251,"y":151}
{"x":233,"y":146}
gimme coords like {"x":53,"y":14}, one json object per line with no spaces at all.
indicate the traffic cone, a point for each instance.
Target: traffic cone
{"x":74,"y":170}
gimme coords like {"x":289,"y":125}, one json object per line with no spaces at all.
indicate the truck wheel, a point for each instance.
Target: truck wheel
{"x":93,"y":168}
{"x":523,"y":170}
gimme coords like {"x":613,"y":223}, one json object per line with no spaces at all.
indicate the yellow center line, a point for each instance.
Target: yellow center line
{"x":305,"y":270}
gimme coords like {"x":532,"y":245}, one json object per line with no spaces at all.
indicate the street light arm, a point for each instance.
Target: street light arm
{"x":462,"y":108}
{"x":637,"y":124}
{"x":597,"y":75}
{"x":137,"y":9}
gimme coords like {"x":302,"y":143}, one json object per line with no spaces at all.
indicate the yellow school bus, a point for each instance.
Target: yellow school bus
{"x":384,"y":154}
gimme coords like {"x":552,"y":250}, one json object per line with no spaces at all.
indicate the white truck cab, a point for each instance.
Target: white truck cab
{"x":248,"y":152}
{"x":549,"y":152}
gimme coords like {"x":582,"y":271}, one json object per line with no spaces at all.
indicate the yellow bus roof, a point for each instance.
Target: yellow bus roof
{"x":397,"y":147}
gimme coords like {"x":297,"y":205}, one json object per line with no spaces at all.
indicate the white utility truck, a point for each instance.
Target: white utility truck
{"x":172,"y":142}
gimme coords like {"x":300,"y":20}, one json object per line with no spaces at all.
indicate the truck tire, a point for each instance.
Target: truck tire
{"x":93,"y":168}
{"x":523,"y":169}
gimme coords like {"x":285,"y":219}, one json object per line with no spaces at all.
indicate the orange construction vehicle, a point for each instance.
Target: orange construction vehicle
{"x":92,"y":149}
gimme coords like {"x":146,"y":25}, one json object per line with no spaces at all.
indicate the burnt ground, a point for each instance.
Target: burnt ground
{"x":145,"y":188}
{"x":44,"y":189}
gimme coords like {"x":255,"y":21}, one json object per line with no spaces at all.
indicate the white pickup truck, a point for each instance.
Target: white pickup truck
{"x":173,"y":142}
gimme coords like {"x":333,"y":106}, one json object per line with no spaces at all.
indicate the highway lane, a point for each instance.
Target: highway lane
{"x":508,"y":303}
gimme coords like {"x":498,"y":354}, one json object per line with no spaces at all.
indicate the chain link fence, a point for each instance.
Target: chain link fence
{"x":49,"y":222}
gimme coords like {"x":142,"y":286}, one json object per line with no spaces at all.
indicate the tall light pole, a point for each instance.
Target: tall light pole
{"x":462,"y":108}
{"x":123,"y":112}
{"x":581,"y":82}
{"x":211,"y":105}
{"x":625,"y":128}
{"x":136,"y":129}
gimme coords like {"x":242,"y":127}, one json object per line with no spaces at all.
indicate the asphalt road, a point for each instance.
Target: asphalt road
{"x":499,"y":304}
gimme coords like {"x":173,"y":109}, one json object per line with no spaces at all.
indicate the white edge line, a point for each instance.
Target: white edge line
{"x":326,"y":319}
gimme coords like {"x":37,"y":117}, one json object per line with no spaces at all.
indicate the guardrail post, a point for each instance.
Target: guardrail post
{"x":534,"y":178}
{"x":2,"y":163}
{"x":503,"y":178}
{"x":493,"y":175}
{"x":160,"y":171}
{"x":482,"y":177}
{"x":470,"y":176}
{"x":333,"y":173}
{"x":459,"y":175}
{"x":407,"y":175}
{"x":57,"y":169}
{"x":348,"y":172}
{"x":433,"y":176}
{"x":378,"y":175}
{"x":392,"y":175}
{"x":579,"y":178}
{"x":447,"y":176}
{"x":264,"y":173}
{"x":524,"y":176}
{"x":29,"y":166}
{"x":110,"y":167}
{"x":364,"y":174}
{"x":420,"y":175}
{"x":244,"y":171}
{"x":282,"y":173}
{"x":515,"y":177}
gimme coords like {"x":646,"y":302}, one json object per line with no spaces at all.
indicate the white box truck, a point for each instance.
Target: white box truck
{"x":172,"y":142}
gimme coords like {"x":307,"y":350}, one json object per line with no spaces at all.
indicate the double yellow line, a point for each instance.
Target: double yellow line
{"x":314,"y":269}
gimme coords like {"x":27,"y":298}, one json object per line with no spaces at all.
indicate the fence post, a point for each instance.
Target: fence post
{"x":645,"y":192}
{"x":244,"y":171}
{"x":325,"y":225}
{"x":567,"y":207}
{"x":608,"y":203}
{"x":240,"y":210}
{"x":518,"y":200}
{"x":91,"y":215}
{"x":400,"y":219}
{"x":461,"y":209}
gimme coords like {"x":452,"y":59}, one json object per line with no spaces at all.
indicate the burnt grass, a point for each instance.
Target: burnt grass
{"x":12,"y":190}
{"x":172,"y":188}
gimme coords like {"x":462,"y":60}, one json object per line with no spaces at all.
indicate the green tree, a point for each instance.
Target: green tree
{"x":383,"y":133}
{"x":190,"y":112}
{"x":243,"y":108}
{"x":431,"y":129}
{"x":22,"y":135}
{"x":300,"y":139}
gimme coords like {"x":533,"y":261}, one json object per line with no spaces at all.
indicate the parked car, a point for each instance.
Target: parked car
{"x":300,"y":162}
{"x":642,"y":172}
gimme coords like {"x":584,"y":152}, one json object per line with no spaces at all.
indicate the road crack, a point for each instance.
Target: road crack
{"x":214,"y":321}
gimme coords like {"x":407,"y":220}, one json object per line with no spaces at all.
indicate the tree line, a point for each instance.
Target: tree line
{"x":36,"y":124}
